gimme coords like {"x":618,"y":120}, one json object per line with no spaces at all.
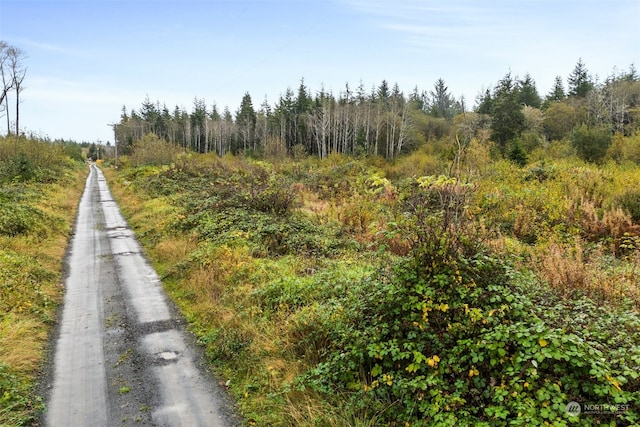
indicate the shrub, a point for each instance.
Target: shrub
{"x":269,"y":235}
{"x":17,"y":219}
{"x":151,"y":150}
{"x":630,"y":202}
{"x":450,"y":336}
{"x":591,"y":143}
{"x":28,"y":160}
{"x":449,"y":340}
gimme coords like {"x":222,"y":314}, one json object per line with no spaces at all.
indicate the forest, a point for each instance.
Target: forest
{"x":383,"y":121}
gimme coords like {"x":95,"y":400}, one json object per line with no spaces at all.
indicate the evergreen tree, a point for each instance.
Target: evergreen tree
{"x":124,"y":117}
{"x":198,"y":125}
{"x":507,"y":118}
{"x":383,"y":93}
{"x":215,"y":115}
{"x":226,"y":115}
{"x":284,"y":117}
{"x":246,"y":122}
{"x":303,"y":102}
{"x":632,"y":75}
{"x":557,"y":91}
{"x":302,"y":107}
{"x":442,"y":103}
{"x":485,"y":103}
{"x":93,"y":153}
{"x":518,"y":155}
{"x":417,"y":99}
{"x":149,"y":114}
{"x":527,"y":92}
{"x":579,"y":81}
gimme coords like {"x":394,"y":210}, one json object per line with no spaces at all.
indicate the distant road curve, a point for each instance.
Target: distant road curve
{"x":121,"y":355}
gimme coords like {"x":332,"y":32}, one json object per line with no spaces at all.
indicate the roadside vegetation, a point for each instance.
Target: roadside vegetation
{"x":449,"y":286}
{"x":375,"y":259}
{"x":40,"y":185}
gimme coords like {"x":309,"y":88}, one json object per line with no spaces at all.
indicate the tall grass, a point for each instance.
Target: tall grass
{"x":40,"y":186}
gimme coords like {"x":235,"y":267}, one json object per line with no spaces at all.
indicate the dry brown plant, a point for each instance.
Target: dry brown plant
{"x":573,"y":271}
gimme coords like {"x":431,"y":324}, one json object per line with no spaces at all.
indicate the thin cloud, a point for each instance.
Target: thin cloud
{"x":433,"y":25}
{"x":51,"y":48}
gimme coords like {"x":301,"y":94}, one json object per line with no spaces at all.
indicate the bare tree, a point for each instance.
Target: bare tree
{"x":12,"y":72}
{"x":7,"y":82}
{"x":18,"y":72}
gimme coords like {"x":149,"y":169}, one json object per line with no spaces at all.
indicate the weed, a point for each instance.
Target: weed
{"x":630,"y":202}
{"x":39,"y":190}
{"x":369,"y":297}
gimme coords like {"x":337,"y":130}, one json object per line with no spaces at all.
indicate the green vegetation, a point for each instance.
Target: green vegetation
{"x":449,"y":286}
{"x":40,"y":185}
{"x":426,"y":266}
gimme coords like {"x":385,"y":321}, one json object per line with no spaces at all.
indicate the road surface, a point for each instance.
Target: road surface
{"x":121,"y":355}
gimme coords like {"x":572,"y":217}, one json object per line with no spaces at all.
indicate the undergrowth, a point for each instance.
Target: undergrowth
{"x":327,"y":293}
{"x":40,"y":185}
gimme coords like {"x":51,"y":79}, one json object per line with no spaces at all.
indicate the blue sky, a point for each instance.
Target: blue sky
{"x":88,"y":58}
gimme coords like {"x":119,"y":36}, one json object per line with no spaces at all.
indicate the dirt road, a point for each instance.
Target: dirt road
{"x":122,"y":356}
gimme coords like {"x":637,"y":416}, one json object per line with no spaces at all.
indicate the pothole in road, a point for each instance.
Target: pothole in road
{"x":126,"y":253}
{"x":168,"y":356}
{"x":119,"y":232}
{"x":119,"y":236}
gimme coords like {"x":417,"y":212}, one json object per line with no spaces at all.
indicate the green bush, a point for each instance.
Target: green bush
{"x":268,"y":234}
{"x":151,"y":150}
{"x":32,"y":160}
{"x":17,"y":219}
{"x":591,"y":143}
{"x":630,"y":202}
{"x":452,"y":336}
{"x":446,"y":341}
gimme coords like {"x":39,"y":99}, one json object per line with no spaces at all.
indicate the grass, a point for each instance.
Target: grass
{"x":244,"y":305}
{"x":34,"y":231}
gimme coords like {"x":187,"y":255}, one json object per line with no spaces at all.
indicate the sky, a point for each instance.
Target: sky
{"x":86,"y":59}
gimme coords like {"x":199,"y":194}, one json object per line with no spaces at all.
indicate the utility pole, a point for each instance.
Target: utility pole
{"x":115,"y":140}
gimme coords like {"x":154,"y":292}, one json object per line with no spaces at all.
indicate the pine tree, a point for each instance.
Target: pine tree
{"x":246,"y":121}
{"x":579,"y":81}
{"x":557,"y":92}
{"x":632,"y":74}
{"x":442,"y":103}
{"x":527,"y":92}
{"x":485,"y":103}
{"x":507,"y":118}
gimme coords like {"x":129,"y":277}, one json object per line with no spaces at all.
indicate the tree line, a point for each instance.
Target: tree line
{"x":384,"y":121}
{"x":375,"y":122}
{"x":12,"y":72}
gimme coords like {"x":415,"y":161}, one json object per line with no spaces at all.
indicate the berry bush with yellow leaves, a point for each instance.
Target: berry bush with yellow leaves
{"x":453,"y":335}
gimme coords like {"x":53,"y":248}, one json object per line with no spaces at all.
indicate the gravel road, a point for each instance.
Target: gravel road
{"x":121,"y":355}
